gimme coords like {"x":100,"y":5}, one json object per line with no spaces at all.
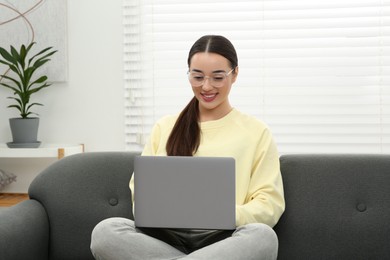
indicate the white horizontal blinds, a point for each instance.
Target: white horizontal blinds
{"x":136,"y":77}
{"x":318,"y":72}
{"x":325,"y":69}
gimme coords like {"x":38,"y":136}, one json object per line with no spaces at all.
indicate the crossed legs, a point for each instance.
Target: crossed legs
{"x":119,"y":239}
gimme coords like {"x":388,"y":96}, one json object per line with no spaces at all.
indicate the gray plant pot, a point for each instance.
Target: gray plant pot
{"x":24,"y":132}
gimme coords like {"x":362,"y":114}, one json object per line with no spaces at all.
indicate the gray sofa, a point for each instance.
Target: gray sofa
{"x":338,"y":207}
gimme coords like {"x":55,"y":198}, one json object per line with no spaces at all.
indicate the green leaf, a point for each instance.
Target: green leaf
{"x":30,"y":46}
{"x":43,"y":51}
{"x":40,"y":62}
{"x":15,"y":54}
{"x":27,"y":77}
{"x":40,"y":53}
{"x":15,"y":106}
{"x":15,"y":69}
{"x":34,"y":90}
{"x":17,"y":100}
{"x":9,"y":86}
{"x":5,"y":63}
{"x":6,"y":55}
{"x":23,"y":54}
{"x":34,"y":104}
{"x":40,"y":80}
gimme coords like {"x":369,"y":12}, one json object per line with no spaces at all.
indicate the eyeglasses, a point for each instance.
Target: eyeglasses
{"x":198,"y":79}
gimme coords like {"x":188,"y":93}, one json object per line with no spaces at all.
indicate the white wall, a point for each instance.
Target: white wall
{"x":89,"y":107}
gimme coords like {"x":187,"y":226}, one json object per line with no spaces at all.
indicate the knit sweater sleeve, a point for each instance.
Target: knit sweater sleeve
{"x":157,"y":141}
{"x":264,"y":202}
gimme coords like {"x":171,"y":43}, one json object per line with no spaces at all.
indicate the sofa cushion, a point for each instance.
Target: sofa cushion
{"x":337,"y":207}
{"x":78,"y":192}
{"x":24,"y":231}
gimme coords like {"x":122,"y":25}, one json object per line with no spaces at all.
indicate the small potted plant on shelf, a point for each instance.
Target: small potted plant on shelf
{"x":20,"y":77}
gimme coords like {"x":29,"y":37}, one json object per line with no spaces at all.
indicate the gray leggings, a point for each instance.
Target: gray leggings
{"x":118,"y":239}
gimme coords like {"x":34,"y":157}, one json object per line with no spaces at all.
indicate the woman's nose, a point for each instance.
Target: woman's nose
{"x":206,"y":84}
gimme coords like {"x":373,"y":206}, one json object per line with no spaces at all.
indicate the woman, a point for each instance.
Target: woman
{"x":211,"y":127}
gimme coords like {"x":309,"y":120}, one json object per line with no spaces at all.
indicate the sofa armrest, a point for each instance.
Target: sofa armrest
{"x":24,"y":231}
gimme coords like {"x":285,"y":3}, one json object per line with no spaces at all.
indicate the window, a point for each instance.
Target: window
{"x":317,"y":72}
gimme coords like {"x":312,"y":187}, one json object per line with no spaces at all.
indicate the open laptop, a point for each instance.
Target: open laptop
{"x":184,"y":192}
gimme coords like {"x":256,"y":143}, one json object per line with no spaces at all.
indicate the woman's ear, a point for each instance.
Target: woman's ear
{"x":235,"y":74}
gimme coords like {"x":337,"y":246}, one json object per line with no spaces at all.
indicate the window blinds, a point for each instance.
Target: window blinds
{"x":317,"y":72}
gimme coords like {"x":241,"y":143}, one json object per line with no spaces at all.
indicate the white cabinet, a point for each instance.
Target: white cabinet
{"x":26,"y":163}
{"x":44,"y":151}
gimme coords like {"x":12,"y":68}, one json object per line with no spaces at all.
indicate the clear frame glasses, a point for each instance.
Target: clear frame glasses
{"x":197,"y":79}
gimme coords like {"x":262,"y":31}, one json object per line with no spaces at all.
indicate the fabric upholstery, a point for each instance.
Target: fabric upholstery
{"x":337,"y":207}
{"x":78,"y":192}
{"x":24,"y":232}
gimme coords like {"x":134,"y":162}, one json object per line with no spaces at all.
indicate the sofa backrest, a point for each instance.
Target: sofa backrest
{"x":78,"y":192}
{"x":337,"y":207}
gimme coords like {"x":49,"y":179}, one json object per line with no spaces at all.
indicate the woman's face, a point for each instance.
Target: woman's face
{"x":213,"y":101}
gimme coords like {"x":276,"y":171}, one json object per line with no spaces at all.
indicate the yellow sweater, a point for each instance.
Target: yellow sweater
{"x":259,"y":187}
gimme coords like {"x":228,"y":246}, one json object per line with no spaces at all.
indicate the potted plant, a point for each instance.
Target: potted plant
{"x":20,"y":78}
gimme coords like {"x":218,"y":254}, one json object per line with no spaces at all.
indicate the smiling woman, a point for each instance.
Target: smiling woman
{"x":209,"y":127}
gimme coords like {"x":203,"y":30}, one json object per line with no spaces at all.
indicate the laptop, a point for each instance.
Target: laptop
{"x":184,"y":192}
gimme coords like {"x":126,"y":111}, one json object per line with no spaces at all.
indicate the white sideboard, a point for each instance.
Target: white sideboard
{"x":26,"y":163}
{"x":44,"y":151}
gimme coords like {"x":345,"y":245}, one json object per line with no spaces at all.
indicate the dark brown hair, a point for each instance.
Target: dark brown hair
{"x":184,"y":139}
